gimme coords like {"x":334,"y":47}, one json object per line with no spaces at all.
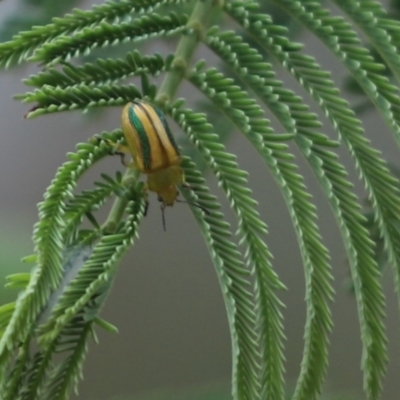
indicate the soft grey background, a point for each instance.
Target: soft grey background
{"x":166,"y":300}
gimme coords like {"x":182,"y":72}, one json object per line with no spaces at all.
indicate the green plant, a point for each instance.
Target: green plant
{"x":36,"y":12}
{"x":59,"y":306}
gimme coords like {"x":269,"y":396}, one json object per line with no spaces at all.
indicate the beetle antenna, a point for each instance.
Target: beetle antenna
{"x":163,"y":217}
{"x":146,"y":208}
{"x":194,"y":204}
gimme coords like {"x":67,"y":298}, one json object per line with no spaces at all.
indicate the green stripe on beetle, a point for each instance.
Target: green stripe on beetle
{"x":166,"y":127}
{"x":143,"y":139}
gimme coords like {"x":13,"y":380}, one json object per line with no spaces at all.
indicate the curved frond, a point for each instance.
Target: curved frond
{"x":235,"y":285}
{"x":24,"y":44}
{"x":251,"y":231}
{"x":89,"y":201}
{"x":72,"y":337}
{"x":342,"y":40}
{"x":381,"y":185}
{"x":235,"y":104}
{"x":103,"y":71}
{"x":6,"y":311}
{"x":12,"y":384}
{"x":107,"y":34}
{"x":372,"y":18}
{"x":296,"y":119}
{"x":69,"y":371}
{"x":97,"y":270}
{"x":35,"y":374}
{"x":50,"y":99}
{"x":47,"y":274}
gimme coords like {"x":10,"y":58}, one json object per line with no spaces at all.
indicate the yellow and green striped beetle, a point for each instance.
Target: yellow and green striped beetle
{"x":153,"y":149}
{"x":154,"y":152}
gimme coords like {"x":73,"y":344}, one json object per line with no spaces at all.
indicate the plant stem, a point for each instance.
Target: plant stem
{"x":118,"y":208}
{"x":186,"y":47}
{"x":183,"y":54}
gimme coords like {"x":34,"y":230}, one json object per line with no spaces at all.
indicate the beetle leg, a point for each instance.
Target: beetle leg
{"x":146,"y":207}
{"x":117,"y":147}
{"x":184,"y":183}
{"x":183,"y":177}
{"x":121,"y":150}
{"x":146,"y":199}
{"x":163,"y":216}
{"x":129,"y":164}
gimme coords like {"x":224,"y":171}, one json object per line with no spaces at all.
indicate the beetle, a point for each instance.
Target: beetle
{"x":154,"y":151}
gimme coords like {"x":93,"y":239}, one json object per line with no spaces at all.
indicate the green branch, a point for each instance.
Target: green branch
{"x":195,"y":28}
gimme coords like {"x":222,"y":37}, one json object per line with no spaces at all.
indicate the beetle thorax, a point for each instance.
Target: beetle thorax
{"x":164,"y":182}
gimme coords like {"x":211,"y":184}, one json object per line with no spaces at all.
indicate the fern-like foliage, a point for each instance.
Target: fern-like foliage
{"x":59,"y":304}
